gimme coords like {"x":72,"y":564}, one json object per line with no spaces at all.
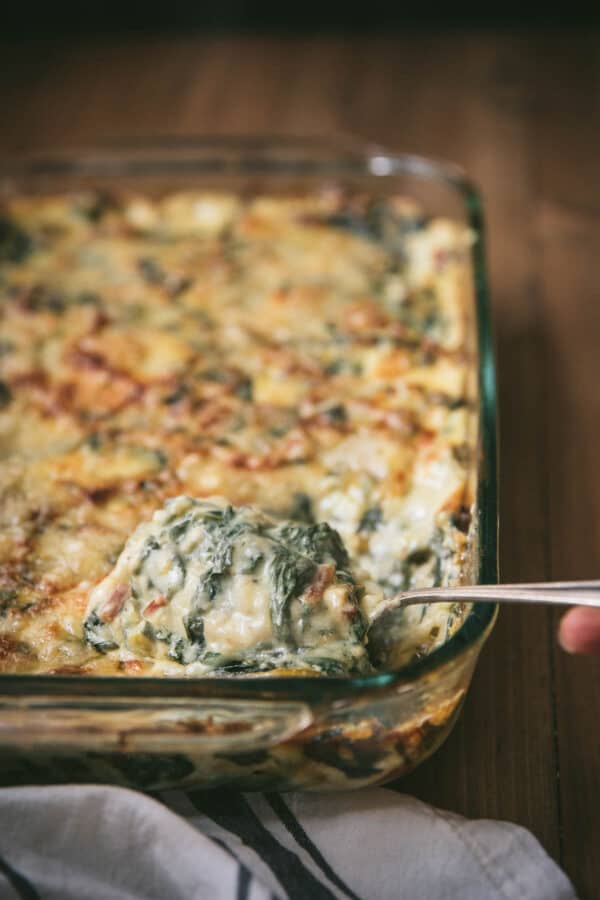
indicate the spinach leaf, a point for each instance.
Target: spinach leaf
{"x":5,"y":394}
{"x":150,"y":546}
{"x":370,"y":519}
{"x":336,"y":415}
{"x":244,"y":390}
{"x":252,"y":559}
{"x":223,"y":530}
{"x":43,"y":298}
{"x":180,"y":393}
{"x":92,"y":629}
{"x":177,"y":649}
{"x":290,"y":573}
{"x":15,"y":243}
{"x":319,"y":542}
{"x":180,"y":528}
{"x":420,"y":313}
{"x":300,"y":550}
{"x":93,"y":206}
{"x":327,"y":665}
{"x":7,"y":598}
{"x":194,"y":627}
{"x":301,"y":508}
{"x":150,"y":271}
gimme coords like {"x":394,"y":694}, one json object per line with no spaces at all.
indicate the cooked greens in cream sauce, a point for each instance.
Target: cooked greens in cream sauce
{"x":230,"y":590}
{"x":309,"y":356}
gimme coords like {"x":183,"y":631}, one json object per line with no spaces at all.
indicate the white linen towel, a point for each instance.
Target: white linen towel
{"x":104,"y":843}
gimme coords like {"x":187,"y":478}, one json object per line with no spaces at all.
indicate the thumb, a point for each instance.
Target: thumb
{"x":579,"y":630}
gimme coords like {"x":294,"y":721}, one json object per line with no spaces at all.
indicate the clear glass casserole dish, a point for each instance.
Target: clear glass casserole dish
{"x":262,"y":732}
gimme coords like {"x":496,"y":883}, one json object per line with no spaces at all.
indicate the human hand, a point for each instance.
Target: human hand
{"x":579,"y":630}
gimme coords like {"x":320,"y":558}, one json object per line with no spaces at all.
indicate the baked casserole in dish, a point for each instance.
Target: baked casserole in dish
{"x":246,"y":397}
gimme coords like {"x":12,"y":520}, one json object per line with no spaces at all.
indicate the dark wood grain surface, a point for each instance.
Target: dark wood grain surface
{"x":521,"y":112}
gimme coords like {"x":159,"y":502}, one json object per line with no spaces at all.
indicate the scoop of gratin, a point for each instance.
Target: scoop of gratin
{"x":218,"y":589}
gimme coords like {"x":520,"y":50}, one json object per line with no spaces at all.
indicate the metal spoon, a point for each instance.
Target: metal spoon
{"x":558,"y":593}
{"x":387,"y":623}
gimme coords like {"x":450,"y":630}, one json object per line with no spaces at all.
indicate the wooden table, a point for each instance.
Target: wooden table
{"x":521,"y":112}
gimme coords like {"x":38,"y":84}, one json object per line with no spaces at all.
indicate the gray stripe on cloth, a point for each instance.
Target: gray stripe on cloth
{"x":232,"y":811}
{"x":291,"y":823}
{"x":272,"y":821}
{"x":20,"y":885}
{"x":179,"y":802}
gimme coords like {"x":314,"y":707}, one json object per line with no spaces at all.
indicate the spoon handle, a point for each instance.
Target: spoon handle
{"x":559,"y":593}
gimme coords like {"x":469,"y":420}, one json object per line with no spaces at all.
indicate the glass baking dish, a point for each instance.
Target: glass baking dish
{"x":261,"y":732}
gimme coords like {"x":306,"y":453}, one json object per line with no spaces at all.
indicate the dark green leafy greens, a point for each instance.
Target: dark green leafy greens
{"x":291,"y":573}
{"x":15,"y":243}
{"x":5,"y":394}
{"x":200,"y":557}
{"x":95,"y":634}
{"x":370,"y":519}
{"x":301,"y":508}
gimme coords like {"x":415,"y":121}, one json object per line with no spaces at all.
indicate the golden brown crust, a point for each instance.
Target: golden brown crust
{"x":267,"y":350}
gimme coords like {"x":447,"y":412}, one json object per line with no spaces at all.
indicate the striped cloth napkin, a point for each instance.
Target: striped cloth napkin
{"x":104,"y":843}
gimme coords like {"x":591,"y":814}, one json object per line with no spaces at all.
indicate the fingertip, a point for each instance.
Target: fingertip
{"x":579,"y":630}
{"x":567,"y":635}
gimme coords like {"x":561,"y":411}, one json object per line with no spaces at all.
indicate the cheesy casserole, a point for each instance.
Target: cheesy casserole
{"x":291,"y":373}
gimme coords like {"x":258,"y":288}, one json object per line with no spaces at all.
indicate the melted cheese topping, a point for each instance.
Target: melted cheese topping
{"x":308,"y":355}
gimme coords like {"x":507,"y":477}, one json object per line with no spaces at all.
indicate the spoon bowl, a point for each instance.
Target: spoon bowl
{"x":388,"y":620}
